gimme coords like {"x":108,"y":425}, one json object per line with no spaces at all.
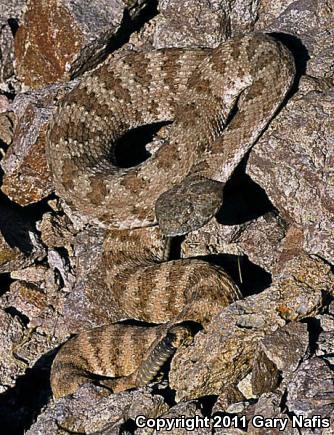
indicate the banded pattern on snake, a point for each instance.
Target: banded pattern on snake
{"x":220,"y":101}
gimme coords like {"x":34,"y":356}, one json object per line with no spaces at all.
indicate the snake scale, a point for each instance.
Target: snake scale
{"x":218,"y":101}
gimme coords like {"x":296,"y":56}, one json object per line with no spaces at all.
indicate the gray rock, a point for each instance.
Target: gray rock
{"x":325,"y":346}
{"x":311,"y":21}
{"x":311,"y":391}
{"x":11,"y":334}
{"x":222,"y":356}
{"x":182,"y":418}
{"x":269,"y":407}
{"x":11,"y":9}
{"x":94,"y":410}
{"x":281,"y":351}
{"x":326,"y":322}
{"x":10,"y":12}
{"x":259,"y":239}
{"x":292,"y":163}
{"x":188,"y":24}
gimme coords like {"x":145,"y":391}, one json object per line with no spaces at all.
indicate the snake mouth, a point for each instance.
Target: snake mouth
{"x":133,"y":147}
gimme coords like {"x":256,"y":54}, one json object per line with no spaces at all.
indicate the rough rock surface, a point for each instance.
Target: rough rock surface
{"x":308,"y":26}
{"x":277,"y":213}
{"x":93,"y":409}
{"x":61,"y":39}
{"x":183,"y":24}
{"x":311,"y":390}
{"x":293,"y":162}
{"x":11,"y":335}
{"x":272,"y":356}
{"x":260,"y":239}
{"x":223,"y":355}
{"x":27,"y":178}
{"x":269,"y":406}
{"x":10,"y":13}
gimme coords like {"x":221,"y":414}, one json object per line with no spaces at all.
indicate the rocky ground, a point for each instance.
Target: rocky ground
{"x":270,"y":354}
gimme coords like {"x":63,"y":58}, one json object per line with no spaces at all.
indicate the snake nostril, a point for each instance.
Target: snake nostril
{"x":130,"y":149}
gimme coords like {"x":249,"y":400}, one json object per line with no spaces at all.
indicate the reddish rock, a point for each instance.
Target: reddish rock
{"x":27,"y":178}
{"x":60,"y":38}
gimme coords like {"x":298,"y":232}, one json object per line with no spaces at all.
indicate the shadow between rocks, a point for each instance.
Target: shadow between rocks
{"x":21,"y":404}
{"x":244,"y":200}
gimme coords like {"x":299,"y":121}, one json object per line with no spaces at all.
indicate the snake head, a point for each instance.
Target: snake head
{"x":189,"y":205}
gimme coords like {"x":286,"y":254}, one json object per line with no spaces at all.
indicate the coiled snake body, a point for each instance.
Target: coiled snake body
{"x":179,"y":186}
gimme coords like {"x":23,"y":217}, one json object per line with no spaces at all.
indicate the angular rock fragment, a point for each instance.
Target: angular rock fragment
{"x":10,"y":258}
{"x":293,"y":161}
{"x":260,"y":240}
{"x":189,"y":24}
{"x":93,"y":409}
{"x":305,"y":25}
{"x":56,"y":231}
{"x":182,"y":411}
{"x":325,"y":346}
{"x":6,"y":127}
{"x":10,"y":12}
{"x":281,"y":351}
{"x":223,"y":355}
{"x":269,"y":407}
{"x":57,"y":40}
{"x":311,"y":390}
{"x":19,"y":245}
{"x":27,"y":178}
{"x":11,"y":333}
{"x":90,"y":303}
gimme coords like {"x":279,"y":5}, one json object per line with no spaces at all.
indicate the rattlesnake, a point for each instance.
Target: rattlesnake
{"x":220,"y":100}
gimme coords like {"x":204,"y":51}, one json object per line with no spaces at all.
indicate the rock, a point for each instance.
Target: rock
{"x":12,"y":9}
{"x":6,"y":124}
{"x":10,"y":258}
{"x":260,"y":239}
{"x":269,"y":407}
{"x":311,"y":391}
{"x":292,"y":163}
{"x":311,"y":22}
{"x":19,"y":244}
{"x":58,"y":40}
{"x":325,"y":346}
{"x":189,"y":24}
{"x":231,"y":400}
{"x":90,"y":302}
{"x":11,"y":334}
{"x":93,"y":409}
{"x":27,"y":298}
{"x":246,"y":388}
{"x":38,"y":297}
{"x":268,"y":11}
{"x":222,"y":356}
{"x":186,"y":411}
{"x":291,"y":247}
{"x":27,"y":178}
{"x":10,"y":13}
{"x":204,"y":24}
{"x":272,"y":358}
{"x":56,"y":232}
{"x":8,"y":81}
{"x":326,"y":322}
